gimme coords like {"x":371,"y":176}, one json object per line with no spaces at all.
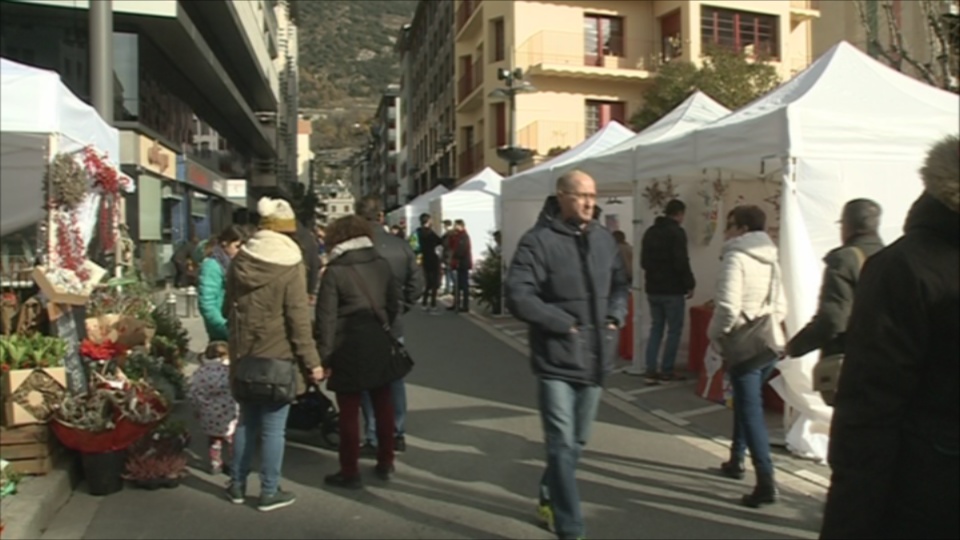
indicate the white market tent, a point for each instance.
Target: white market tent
{"x":477,"y":203}
{"x":41,"y":118}
{"x":844,"y":128}
{"x":409,"y":214}
{"x":523,"y":193}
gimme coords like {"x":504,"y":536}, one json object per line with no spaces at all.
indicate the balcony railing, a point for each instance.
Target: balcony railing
{"x":471,"y":160}
{"x":571,"y":49}
{"x":466,"y":9}
{"x":469,"y":82}
{"x":545,"y":135}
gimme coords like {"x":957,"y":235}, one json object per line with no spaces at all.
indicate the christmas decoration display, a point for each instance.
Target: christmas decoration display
{"x":658,"y":197}
{"x":711,"y":193}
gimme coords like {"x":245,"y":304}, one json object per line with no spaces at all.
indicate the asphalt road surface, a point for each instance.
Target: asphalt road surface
{"x":471,"y":469}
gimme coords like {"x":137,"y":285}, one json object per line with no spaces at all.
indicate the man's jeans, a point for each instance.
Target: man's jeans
{"x":270,"y":423}
{"x":567,"y":411}
{"x":749,"y":424}
{"x":399,"y":392}
{"x":451,"y":279}
{"x":666,"y":311}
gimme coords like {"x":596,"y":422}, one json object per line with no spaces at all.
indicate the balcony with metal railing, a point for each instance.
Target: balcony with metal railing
{"x":466,"y":15}
{"x":468,"y":85}
{"x":545,"y":135}
{"x":570,"y":54}
{"x":471,"y":160}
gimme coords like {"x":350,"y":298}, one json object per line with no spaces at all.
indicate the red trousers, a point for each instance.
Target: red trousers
{"x":349,"y":405}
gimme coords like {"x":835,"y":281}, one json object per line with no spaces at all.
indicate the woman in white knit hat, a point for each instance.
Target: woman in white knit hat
{"x":267,"y":307}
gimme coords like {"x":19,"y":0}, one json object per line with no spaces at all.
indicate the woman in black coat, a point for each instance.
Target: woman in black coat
{"x":358,"y":296}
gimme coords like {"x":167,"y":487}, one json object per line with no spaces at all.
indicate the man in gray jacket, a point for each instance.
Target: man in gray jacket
{"x":567,"y":281}
{"x":409,"y":277}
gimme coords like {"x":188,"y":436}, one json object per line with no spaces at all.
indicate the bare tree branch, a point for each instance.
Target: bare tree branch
{"x":872,"y":39}
{"x":939,"y":43}
{"x":901,"y":50}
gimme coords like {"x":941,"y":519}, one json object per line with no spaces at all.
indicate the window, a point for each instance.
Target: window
{"x":499,"y":41}
{"x":752,"y":33}
{"x":499,"y":134}
{"x":601,"y":113}
{"x":671,"y":36}
{"x":602,"y":36}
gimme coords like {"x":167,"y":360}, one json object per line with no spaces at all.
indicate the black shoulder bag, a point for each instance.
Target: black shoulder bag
{"x":264,"y":380}
{"x":747,"y":346}
{"x":398,"y":362}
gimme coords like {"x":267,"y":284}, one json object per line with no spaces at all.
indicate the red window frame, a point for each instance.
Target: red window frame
{"x":606,"y":112}
{"x":500,"y":124}
{"x":499,"y":40}
{"x":744,"y":24}
{"x":617,"y":43}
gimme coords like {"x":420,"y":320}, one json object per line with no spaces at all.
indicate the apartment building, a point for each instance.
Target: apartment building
{"x":427,"y":84}
{"x":336,"y":201}
{"x":197,"y":95}
{"x":386,"y":146}
{"x":589,"y":61}
{"x":909,"y":18}
{"x":304,"y":153}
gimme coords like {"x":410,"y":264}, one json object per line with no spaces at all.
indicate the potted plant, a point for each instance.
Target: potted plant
{"x":142,"y":365}
{"x":104,"y":421}
{"x":159,"y":460}
{"x":34,"y":379}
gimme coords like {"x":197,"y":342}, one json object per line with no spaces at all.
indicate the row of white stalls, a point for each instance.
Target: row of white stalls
{"x":844,"y":128}
{"x":41,"y":118}
{"x":476,"y":201}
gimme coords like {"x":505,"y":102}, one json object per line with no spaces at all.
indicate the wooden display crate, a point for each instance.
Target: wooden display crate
{"x":29,"y":449}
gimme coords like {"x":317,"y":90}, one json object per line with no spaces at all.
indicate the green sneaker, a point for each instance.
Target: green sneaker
{"x":545,"y":513}
{"x":280,"y":499}
{"x":236,"y":493}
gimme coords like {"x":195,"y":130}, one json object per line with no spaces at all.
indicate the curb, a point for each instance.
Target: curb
{"x":38,"y":500}
{"x":808,"y":482}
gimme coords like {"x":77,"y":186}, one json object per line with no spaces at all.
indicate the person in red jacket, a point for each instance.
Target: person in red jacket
{"x":461,"y":262}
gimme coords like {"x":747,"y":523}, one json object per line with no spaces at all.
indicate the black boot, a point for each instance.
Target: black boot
{"x":733,"y":469}
{"x":765,"y":492}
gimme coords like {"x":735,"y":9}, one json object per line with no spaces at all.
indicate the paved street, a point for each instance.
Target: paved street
{"x":473,"y":461}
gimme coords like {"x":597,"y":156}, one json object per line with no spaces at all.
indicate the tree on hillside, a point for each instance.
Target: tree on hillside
{"x":731,"y":78}
{"x":935,"y":60}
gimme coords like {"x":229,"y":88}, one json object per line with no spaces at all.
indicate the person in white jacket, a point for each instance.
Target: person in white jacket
{"x":749,"y":286}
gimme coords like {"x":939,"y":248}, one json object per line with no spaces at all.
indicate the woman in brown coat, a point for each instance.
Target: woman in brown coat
{"x":358,"y":294}
{"x":266,"y":305}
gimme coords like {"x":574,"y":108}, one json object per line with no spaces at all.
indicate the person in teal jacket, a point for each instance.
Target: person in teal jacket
{"x":212,"y":283}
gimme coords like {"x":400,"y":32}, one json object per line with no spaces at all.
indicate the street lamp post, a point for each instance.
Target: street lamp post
{"x":514,"y":84}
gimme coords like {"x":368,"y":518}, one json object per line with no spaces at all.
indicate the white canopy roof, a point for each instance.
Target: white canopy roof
{"x":615,"y":167}
{"x":412,"y":210}
{"x":41,"y":115}
{"x":538,"y":182}
{"x":477,"y":203}
{"x":844,"y":106}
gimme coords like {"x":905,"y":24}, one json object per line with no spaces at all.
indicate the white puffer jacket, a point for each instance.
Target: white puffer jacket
{"x":750,"y":269}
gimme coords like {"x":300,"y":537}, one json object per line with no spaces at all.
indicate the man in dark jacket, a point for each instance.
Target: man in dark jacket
{"x":668,"y":276}
{"x":429,"y":242}
{"x":406,"y":272}
{"x":568,"y":283}
{"x":896,"y":423}
{"x":859,"y":226}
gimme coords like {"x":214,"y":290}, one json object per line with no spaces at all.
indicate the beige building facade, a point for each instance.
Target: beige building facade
{"x":589,"y":61}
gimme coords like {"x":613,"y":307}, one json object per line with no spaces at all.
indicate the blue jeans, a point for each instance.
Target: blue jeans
{"x":749,"y":424}
{"x":666,"y":311}
{"x":398,"y":391}
{"x":567,"y":411}
{"x":451,"y":276}
{"x":270,"y":423}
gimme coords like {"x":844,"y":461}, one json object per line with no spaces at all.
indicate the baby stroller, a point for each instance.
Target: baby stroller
{"x":313,"y":410}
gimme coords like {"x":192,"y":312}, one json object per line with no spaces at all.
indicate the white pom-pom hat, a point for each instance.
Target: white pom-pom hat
{"x":276,"y":215}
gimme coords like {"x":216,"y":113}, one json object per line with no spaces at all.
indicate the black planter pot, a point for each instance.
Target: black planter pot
{"x":104,"y":472}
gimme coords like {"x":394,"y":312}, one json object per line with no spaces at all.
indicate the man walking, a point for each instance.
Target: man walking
{"x":568,"y":283}
{"x":407,"y":273}
{"x":448,"y":273}
{"x":668,"y":278}
{"x":859,"y":232}
{"x":429,"y":242}
{"x":461,"y":261}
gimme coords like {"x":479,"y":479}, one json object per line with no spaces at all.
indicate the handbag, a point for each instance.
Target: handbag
{"x":826,"y":372}
{"x":747,"y":346}
{"x":264,"y":380}
{"x":399,"y":362}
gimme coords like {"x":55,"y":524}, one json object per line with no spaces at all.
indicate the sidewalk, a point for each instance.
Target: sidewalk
{"x":678,"y":404}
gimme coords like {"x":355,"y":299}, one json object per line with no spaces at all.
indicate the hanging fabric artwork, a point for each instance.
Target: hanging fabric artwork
{"x":711,"y":193}
{"x":658,"y":197}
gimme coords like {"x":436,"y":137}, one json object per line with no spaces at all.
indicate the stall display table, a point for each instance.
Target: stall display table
{"x":699,"y":320}
{"x":626,"y":333}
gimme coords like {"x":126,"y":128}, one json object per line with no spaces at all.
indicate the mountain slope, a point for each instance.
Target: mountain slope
{"x":347,"y":49}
